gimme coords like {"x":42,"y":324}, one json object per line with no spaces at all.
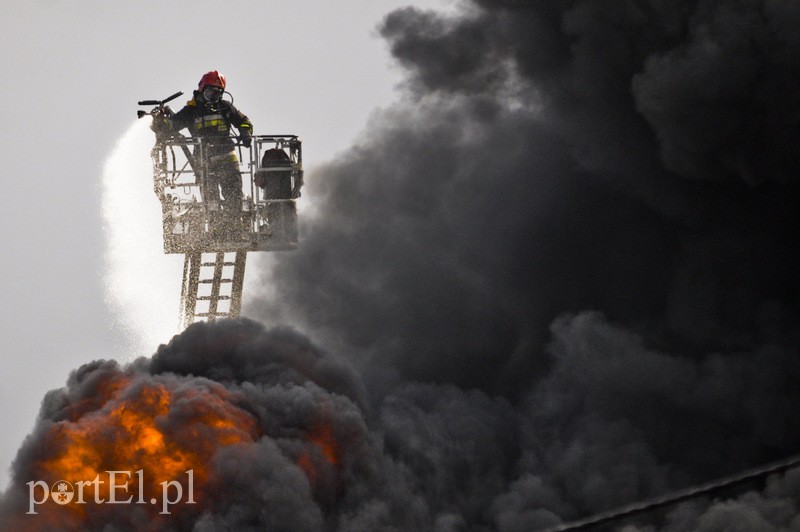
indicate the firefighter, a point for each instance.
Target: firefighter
{"x":209,"y":117}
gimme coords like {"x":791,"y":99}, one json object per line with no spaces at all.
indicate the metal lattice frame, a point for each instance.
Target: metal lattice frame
{"x":181,"y":183}
{"x":200,"y":273}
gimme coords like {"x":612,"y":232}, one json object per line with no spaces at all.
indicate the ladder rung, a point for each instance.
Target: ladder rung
{"x":208,"y":269}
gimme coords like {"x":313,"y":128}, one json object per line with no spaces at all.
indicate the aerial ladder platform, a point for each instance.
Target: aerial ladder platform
{"x":194,"y":224}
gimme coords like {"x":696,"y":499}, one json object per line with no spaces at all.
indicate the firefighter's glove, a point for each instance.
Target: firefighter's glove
{"x":246,"y":139}
{"x":160,"y":125}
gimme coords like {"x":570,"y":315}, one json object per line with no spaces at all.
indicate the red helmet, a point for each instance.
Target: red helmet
{"x":213,"y":78}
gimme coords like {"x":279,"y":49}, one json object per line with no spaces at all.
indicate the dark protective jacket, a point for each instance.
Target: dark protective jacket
{"x":211,"y":122}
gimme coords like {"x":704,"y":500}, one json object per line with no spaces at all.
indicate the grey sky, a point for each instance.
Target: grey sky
{"x":72,"y":74}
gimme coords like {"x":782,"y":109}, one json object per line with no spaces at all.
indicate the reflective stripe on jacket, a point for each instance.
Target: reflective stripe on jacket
{"x":211,"y":122}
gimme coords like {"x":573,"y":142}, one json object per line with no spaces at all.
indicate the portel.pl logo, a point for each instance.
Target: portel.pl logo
{"x":63,"y":492}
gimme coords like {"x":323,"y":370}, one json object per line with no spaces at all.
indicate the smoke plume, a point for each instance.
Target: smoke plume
{"x":588,"y":210}
{"x":559,"y":277}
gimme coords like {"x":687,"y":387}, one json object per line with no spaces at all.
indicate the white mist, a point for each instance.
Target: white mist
{"x":142,"y":284}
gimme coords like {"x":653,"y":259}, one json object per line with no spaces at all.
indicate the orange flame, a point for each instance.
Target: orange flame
{"x":322,"y":456}
{"x":155,"y":430}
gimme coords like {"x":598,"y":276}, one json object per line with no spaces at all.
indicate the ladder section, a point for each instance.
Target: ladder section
{"x":212,"y":286}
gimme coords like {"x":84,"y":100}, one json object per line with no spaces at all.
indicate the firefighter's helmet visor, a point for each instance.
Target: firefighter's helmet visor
{"x":212,"y":94}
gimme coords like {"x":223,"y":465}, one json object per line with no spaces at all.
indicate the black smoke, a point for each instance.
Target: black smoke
{"x":632,"y":158}
{"x":424,"y":456}
{"x":278,"y":480}
{"x":588,"y":211}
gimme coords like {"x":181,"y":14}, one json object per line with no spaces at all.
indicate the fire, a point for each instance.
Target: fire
{"x":322,"y":456}
{"x":139,"y":451}
{"x":155,"y":429}
{"x":326,"y":443}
